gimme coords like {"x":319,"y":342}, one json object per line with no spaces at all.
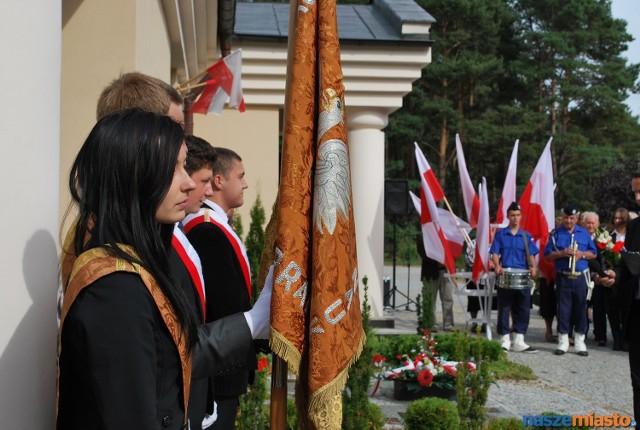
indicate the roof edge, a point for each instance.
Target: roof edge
{"x":406,"y":15}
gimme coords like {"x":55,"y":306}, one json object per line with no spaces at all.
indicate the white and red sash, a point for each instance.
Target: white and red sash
{"x":191,"y":260}
{"x":212,"y":216}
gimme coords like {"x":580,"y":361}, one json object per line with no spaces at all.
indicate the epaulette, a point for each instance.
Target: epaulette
{"x":552,"y":234}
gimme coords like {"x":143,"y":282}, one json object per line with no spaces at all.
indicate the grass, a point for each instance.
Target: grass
{"x":505,"y":369}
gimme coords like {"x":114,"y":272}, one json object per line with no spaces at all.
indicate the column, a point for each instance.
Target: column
{"x":366,"y":144}
{"x":31,"y":45}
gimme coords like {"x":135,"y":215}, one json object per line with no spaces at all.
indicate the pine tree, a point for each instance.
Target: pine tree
{"x":520,"y":69}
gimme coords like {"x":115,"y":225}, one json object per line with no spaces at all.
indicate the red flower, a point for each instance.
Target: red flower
{"x":450,"y":370}
{"x":263,"y":364}
{"x":602,"y":245}
{"x":425,"y":378}
{"x":377,"y":359}
{"x":618,"y":247}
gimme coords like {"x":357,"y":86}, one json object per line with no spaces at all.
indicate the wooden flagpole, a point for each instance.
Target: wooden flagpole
{"x":466,"y":237}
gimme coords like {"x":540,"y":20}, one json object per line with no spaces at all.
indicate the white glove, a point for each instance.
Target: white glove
{"x":259,"y":317}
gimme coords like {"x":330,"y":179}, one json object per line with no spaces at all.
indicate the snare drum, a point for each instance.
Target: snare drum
{"x":516,"y":279}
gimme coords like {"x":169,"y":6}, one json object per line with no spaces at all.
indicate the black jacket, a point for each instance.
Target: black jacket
{"x":119,"y":367}
{"x":226,"y":290}
{"x":629,"y":307}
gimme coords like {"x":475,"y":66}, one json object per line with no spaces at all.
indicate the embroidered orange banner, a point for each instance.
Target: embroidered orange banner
{"x":315,"y":308}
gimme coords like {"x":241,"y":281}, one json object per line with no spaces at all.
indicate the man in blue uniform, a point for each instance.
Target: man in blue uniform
{"x":570,"y":246}
{"x":514,"y":248}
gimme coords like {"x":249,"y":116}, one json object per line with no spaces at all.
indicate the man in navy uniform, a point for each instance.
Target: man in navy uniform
{"x":514,"y":248}
{"x":570,"y":246}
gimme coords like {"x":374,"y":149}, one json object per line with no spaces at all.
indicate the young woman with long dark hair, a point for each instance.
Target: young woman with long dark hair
{"x":126,"y":332}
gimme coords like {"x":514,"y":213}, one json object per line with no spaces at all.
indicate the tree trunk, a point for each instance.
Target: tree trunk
{"x":442,"y":162}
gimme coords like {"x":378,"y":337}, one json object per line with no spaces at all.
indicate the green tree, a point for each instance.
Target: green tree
{"x":236,"y":224}
{"x":520,"y":69}
{"x":454,"y":91}
{"x":572,"y":62}
{"x":255,"y":239}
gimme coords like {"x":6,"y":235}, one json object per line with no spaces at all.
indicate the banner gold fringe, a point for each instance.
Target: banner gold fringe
{"x":330,"y":418}
{"x":284,"y":349}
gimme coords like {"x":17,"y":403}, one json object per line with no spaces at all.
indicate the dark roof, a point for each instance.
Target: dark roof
{"x":380,"y":22}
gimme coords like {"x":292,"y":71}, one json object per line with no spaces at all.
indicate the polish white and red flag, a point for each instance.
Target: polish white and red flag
{"x":435,"y":242}
{"x":481,"y":258}
{"x":427,"y":176}
{"x":225,"y":83}
{"x":538,"y":207}
{"x":508,"y":190}
{"x":469,"y":196}
{"x":451,"y":226}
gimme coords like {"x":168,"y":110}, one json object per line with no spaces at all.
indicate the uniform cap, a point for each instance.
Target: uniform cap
{"x":570,"y":209}
{"x":513,"y":207}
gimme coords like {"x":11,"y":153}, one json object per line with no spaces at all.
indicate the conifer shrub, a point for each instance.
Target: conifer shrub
{"x":431,"y":413}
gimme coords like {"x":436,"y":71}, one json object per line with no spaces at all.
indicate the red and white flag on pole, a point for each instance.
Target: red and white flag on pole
{"x":450,"y":226}
{"x":481,"y":259}
{"x":225,"y":83}
{"x":509,"y":189}
{"x":436,"y":244}
{"x":427,"y":176}
{"x":471,"y":202}
{"x":538,"y":207}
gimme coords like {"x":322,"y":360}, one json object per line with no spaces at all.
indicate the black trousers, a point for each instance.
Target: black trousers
{"x":633,"y":336}
{"x":227,"y":411}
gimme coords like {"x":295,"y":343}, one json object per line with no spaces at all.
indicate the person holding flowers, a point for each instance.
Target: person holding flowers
{"x":605,"y":301}
{"x":620,"y":220}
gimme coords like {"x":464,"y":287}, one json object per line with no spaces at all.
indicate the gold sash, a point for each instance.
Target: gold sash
{"x":96,"y":263}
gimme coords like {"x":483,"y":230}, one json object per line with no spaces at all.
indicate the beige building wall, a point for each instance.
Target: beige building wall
{"x":254,"y":135}
{"x":30,"y":121}
{"x":101,"y":40}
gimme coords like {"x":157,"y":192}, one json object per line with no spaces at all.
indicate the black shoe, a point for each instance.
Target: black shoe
{"x":558,"y":352}
{"x":583,"y":353}
{"x":617,"y":345}
{"x":530,"y":350}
